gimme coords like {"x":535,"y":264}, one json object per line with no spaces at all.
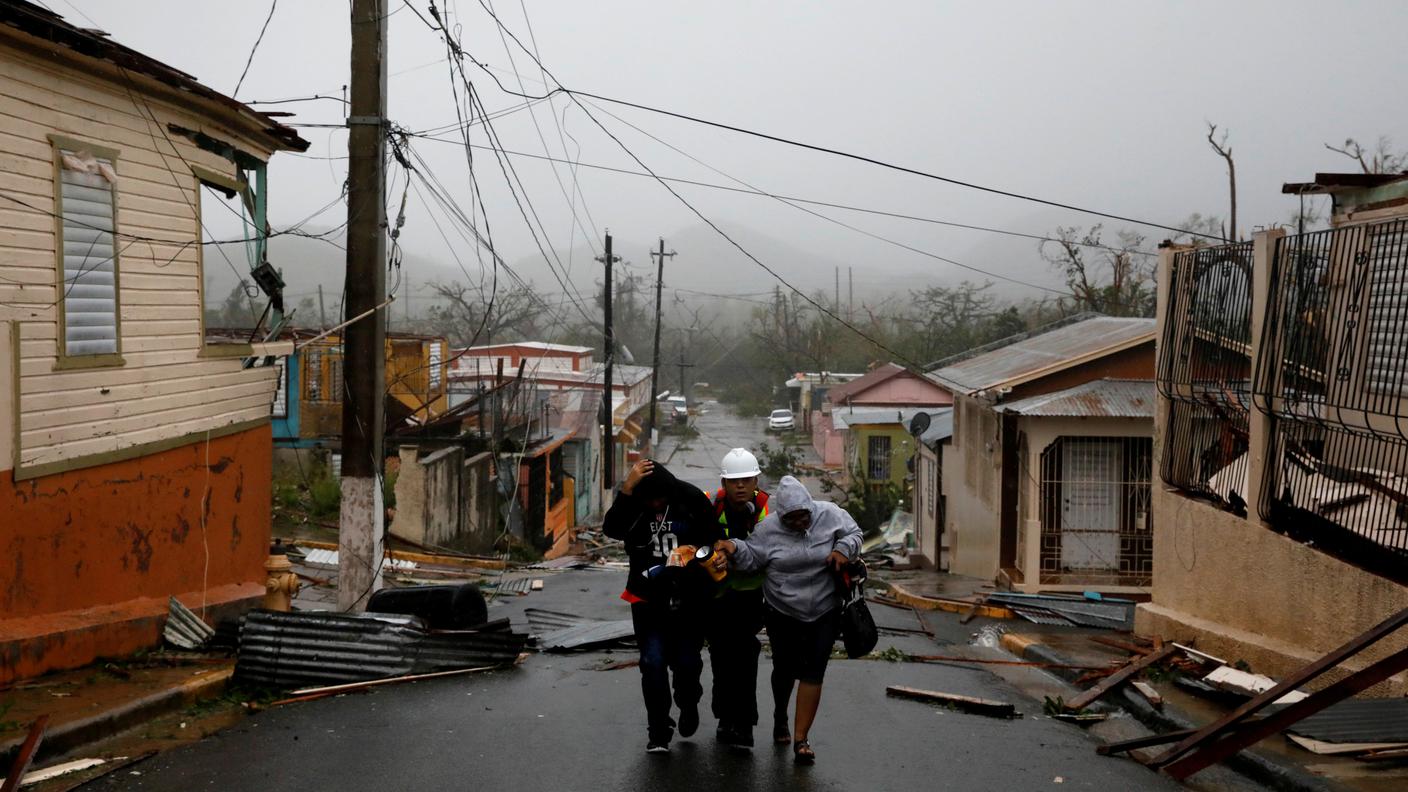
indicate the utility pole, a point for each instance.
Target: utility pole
{"x":359,"y":535}
{"x":608,"y":428}
{"x":322,"y":312}
{"x":655,"y":361}
{"x":836,"y":301}
{"x":850,"y":294}
{"x":682,"y":366}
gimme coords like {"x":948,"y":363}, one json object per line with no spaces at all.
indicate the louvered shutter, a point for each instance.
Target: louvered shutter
{"x":281,"y":392}
{"x":1388,"y":308}
{"x":90,"y":264}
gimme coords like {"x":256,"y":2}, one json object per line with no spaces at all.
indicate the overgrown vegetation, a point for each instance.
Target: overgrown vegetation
{"x":871,"y":505}
{"x":778,"y":462}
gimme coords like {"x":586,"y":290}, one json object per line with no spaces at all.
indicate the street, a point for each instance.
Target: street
{"x":556,"y":722}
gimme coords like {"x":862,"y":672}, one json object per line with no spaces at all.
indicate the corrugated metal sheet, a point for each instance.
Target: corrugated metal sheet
{"x":1106,"y":398}
{"x":940,"y":426}
{"x":1086,"y":613}
{"x":1358,"y":721}
{"x":311,"y":648}
{"x":1051,"y":348}
{"x":586,"y":636}
{"x":562,"y":562}
{"x":328,"y":558}
{"x":545,"y":621}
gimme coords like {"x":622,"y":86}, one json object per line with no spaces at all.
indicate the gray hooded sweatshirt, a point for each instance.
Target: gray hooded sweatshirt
{"x":796,"y":579}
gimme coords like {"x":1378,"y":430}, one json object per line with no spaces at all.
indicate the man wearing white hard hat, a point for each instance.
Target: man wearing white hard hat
{"x":738,"y":609}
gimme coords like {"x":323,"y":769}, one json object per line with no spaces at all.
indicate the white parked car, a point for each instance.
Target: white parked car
{"x":781,"y":421}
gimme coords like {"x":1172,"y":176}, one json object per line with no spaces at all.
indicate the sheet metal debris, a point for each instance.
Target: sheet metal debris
{"x":184,"y":628}
{"x":562,"y":562}
{"x":1358,"y":721}
{"x":1112,"y":614}
{"x":319,"y":557}
{"x":542,"y":621}
{"x":308,"y":648}
{"x":587,"y":636}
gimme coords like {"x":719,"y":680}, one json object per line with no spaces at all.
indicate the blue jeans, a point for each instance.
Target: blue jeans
{"x":669,"y":641}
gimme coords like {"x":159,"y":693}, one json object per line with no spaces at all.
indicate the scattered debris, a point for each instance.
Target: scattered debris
{"x":620,"y":665}
{"x":977,"y":706}
{"x":1232,"y":680}
{"x":1123,"y":646}
{"x":26,"y":753}
{"x":536,"y":585}
{"x":65,"y":768}
{"x":184,"y":628}
{"x":1234,"y":731}
{"x":1328,"y":748}
{"x":1075,"y":609}
{"x":1081,"y":718}
{"x":327,"y":559}
{"x":314,"y":648}
{"x":1114,"y":680}
{"x":310,"y":694}
{"x":562,"y":562}
{"x":587,"y":636}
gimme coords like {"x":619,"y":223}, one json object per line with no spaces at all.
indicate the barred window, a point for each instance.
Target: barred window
{"x":878,"y":457}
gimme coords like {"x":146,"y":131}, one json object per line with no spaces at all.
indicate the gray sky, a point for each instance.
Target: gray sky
{"x":1099,"y":104}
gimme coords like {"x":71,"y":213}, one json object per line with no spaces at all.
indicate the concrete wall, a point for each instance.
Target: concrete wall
{"x":1245,"y":592}
{"x":972,"y":463}
{"x":90,"y":556}
{"x":445,"y":500}
{"x":857,"y":439}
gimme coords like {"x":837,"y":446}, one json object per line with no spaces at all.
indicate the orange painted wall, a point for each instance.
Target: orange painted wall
{"x":107,"y":534}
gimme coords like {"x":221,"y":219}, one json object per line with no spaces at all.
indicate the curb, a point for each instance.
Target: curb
{"x":1255,"y":766}
{"x":72,"y":735}
{"x":903,"y":595}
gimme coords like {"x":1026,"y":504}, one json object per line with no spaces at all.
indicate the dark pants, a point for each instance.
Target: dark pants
{"x":669,"y":641}
{"x":735,"y":618}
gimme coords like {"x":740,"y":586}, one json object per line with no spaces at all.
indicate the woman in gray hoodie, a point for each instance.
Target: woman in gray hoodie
{"x":800,"y":547}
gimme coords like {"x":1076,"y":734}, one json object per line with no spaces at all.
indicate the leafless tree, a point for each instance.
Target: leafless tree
{"x":468,"y":315}
{"x":1225,"y":151}
{"x":1115,"y":279}
{"x":1382,"y":159}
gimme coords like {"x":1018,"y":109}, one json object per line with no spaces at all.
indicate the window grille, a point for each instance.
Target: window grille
{"x":88,"y":216}
{"x":1094,"y":512}
{"x":1330,"y":375}
{"x":313,"y":375}
{"x":435,"y":356}
{"x":878,"y":458}
{"x":1205,"y":372}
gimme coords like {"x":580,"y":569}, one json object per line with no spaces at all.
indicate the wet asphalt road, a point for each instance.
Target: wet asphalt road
{"x":556,"y":722}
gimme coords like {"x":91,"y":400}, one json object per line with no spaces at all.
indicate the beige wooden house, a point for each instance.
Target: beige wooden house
{"x":134,"y":455}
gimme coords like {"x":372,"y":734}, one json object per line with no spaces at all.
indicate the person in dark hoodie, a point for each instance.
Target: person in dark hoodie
{"x":661,"y":519}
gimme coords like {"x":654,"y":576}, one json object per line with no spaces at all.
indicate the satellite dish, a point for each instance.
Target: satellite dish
{"x":919,"y":424}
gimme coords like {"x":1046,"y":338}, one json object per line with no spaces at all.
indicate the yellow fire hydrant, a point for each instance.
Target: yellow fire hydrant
{"x":280,"y":582}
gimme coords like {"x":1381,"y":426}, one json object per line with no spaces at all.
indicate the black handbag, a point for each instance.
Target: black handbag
{"x":858,"y":631}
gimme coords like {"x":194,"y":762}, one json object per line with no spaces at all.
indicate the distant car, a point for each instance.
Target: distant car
{"x":781,"y":421}
{"x":679,"y":409}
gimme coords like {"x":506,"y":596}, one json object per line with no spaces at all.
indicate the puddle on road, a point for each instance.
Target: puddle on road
{"x":989,"y":636}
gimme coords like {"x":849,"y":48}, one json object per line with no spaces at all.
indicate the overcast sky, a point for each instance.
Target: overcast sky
{"x":1098,"y":104}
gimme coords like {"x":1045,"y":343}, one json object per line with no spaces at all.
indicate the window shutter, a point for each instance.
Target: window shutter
{"x":90,"y":263}
{"x":281,"y":391}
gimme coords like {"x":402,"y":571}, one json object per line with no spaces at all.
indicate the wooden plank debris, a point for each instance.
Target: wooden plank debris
{"x":310,"y":694}
{"x":977,"y":706}
{"x":1123,"y":646}
{"x":26,"y":753}
{"x":1209,"y":745}
{"x":1149,"y":693}
{"x":1118,"y":678}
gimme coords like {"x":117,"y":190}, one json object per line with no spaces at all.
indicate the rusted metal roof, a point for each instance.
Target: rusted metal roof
{"x":1045,"y":353}
{"x":44,"y":24}
{"x":1334,"y":182}
{"x":1104,"y":398}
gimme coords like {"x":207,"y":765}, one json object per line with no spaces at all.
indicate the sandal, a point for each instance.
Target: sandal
{"x":803,"y":754}
{"x":781,"y":734}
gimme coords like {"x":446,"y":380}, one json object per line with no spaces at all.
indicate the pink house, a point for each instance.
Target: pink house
{"x":888,"y":385}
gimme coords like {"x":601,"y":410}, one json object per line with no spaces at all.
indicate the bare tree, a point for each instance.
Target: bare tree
{"x":1225,"y":151}
{"x":468,"y":315}
{"x":1382,"y":159}
{"x":1116,"y":279}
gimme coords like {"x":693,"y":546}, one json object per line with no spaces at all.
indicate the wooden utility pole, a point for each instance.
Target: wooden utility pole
{"x":322,"y":311}
{"x":608,"y":429}
{"x":364,"y":342}
{"x":682,"y":366}
{"x":655,"y":361}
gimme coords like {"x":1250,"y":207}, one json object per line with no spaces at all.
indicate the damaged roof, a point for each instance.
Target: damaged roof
{"x":51,"y":29}
{"x":1103,"y":398}
{"x":1045,"y":353}
{"x":1335,"y":182}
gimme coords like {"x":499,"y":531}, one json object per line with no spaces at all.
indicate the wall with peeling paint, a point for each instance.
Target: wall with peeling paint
{"x":97,"y":551}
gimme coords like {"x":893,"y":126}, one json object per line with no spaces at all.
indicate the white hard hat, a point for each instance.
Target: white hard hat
{"x":739,"y":463}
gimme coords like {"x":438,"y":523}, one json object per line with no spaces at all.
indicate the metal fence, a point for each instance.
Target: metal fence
{"x":1094,"y":511}
{"x":1205,"y":372}
{"x":1332,"y":374}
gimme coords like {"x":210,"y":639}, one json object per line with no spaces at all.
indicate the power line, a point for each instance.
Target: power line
{"x":705,"y":219}
{"x":272,"y":5}
{"x":833,"y":220}
{"x":790,"y":198}
{"x":820,"y":149}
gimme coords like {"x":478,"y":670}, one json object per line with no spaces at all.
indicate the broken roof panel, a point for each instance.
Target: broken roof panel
{"x":1045,"y":353}
{"x":1104,"y":398}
